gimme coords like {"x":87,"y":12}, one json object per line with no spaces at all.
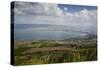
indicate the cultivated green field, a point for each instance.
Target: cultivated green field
{"x":55,"y":51}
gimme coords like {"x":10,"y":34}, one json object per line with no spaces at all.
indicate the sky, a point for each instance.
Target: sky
{"x":56,"y":14}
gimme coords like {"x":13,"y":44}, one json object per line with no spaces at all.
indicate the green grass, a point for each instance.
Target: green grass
{"x":87,"y":51}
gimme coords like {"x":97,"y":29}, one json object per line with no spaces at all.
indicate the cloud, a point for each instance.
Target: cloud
{"x":29,"y":8}
{"x":83,"y":17}
{"x":45,"y":13}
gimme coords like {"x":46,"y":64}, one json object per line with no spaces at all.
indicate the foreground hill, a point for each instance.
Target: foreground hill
{"x":55,"y":51}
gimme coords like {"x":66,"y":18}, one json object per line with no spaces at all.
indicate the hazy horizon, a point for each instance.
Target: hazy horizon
{"x":53,"y":20}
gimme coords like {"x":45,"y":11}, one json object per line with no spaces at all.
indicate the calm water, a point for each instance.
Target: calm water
{"x":43,"y":32}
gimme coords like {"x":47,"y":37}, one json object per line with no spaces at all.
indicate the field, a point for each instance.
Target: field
{"x":55,"y":51}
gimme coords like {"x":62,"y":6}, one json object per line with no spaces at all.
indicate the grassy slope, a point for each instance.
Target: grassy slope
{"x":43,"y":52}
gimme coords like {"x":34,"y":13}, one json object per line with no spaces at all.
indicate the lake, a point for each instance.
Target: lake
{"x":43,"y":32}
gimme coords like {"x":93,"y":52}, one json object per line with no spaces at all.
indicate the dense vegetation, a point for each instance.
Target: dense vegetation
{"x":55,"y":51}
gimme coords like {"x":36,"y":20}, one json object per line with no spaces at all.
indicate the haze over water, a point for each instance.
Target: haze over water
{"x":44,"y":32}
